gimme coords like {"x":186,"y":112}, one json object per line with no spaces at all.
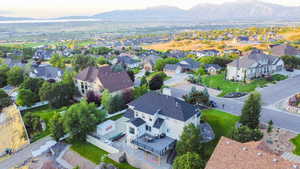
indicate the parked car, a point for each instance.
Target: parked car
{"x":213,"y":104}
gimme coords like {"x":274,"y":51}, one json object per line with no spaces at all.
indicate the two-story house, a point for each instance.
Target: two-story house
{"x":253,"y":64}
{"x":46,"y":72}
{"x":156,"y":121}
{"x":97,"y":79}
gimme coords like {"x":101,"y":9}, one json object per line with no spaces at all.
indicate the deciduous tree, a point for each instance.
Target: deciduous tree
{"x":188,"y":161}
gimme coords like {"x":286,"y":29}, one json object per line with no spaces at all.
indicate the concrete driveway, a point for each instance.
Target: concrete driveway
{"x":176,"y":79}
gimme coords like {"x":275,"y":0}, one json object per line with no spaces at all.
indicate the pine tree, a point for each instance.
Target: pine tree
{"x":251,"y":111}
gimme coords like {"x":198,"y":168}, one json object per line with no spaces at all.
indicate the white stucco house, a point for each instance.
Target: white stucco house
{"x":253,"y":64}
{"x":156,"y":122}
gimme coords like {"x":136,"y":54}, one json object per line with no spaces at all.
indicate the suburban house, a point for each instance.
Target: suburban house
{"x":97,"y":79}
{"x":212,"y":69}
{"x":149,"y":62}
{"x":241,"y":39}
{"x":232,"y":51}
{"x":12,"y":63}
{"x":154,"y":127}
{"x":253,"y":64}
{"x":211,"y":52}
{"x":284,"y":50}
{"x":230,"y":154}
{"x":176,"y":54}
{"x":170,"y":69}
{"x":128,"y":61}
{"x":43,"y":54}
{"x":46,"y":72}
{"x":189,"y":64}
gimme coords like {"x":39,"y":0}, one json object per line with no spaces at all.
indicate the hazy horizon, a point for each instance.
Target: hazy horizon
{"x":59,"y":8}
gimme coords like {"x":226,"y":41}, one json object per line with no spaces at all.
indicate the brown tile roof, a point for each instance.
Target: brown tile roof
{"x":230,"y":154}
{"x":113,"y":81}
{"x":284,"y":50}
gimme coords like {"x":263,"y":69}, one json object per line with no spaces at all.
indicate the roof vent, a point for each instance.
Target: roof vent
{"x":227,"y":142}
{"x":244,"y":149}
{"x":259,"y":154}
{"x":275,"y":160}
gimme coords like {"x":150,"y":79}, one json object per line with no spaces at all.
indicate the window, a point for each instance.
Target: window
{"x":150,"y":119}
{"x":148,"y":128}
{"x":131,"y":130}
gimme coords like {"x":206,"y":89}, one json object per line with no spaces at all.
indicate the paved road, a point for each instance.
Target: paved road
{"x":21,"y":156}
{"x":281,"y":90}
{"x":271,"y":94}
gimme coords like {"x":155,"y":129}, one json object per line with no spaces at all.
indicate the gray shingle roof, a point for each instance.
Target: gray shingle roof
{"x":189,"y":64}
{"x":158,"y":122}
{"x":153,"y":102}
{"x":284,"y":50}
{"x":129,"y":114}
{"x":137,"y":122}
{"x":47,"y":71}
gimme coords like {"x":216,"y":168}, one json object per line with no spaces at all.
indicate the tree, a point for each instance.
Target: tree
{"x":156,"y":82}
{"x":92,"y":97}
{"x":270,"y":126}
{"x":15,"y":76}
{"x":57,"y":61}
{"x":106,"y":99}
{"x":102,"y":60}
{"x":3,"y":75}
{"x":56,"y":126}
{"x":32,"y":123}
{"x":81,"y":119}
{"x":140,"y":91}
{"x":189,"y":140}
{"x":26,"y":98}
{"x":131,"y":75}
{"x":33,"y":84}
{"x":251,"y":111}
{"x":127,"y":96}
{"x":245,"y":134}
{"x":80,"y":62}
{"x":5,"y":99}
{"x":188,"y":161}
{"x":197,"y":97}
{"x":57,"y":94}
{"x":144,"y":81}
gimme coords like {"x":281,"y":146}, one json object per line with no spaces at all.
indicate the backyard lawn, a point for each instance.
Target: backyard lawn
{"x":45,"y":113}
{"x":96,"y":155}
{"x":227,"y":86}
{"x":296,"y":142}
{"x":222,"y":124}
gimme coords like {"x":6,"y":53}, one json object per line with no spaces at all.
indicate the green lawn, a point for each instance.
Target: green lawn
{"x":222,"y":124}
{"x":227,"y":86}
{"x":45,"y":112}
{"x":296,"y":142}
{"x":96,"y":155}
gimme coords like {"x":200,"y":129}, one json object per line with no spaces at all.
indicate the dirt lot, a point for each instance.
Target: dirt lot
{"x":11,"y":125}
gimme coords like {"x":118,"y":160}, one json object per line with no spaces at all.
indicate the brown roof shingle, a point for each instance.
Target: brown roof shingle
{"x":284,"y":50}
{"x":230,"y":154}
{"x":113,"y":81}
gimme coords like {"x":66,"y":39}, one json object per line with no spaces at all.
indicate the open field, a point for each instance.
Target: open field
{"x":13,"y":133}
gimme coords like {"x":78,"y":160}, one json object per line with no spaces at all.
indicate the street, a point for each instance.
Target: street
{"x":270,"y":95}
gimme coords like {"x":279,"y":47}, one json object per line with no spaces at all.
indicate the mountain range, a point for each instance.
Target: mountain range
{"x":204,"y":12}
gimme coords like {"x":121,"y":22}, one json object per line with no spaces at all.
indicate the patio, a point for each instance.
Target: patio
{"x":154,"y":145}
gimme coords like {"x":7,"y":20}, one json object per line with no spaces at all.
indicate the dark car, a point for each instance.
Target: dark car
{"x":213,"y":104}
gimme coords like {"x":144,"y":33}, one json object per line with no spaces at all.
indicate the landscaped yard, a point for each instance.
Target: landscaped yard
{"x":227,"y":86}
{"x":296,"y":142}
{"x":222,"y":124}
{"x":45,"y":112}
{"x":96,"y":155}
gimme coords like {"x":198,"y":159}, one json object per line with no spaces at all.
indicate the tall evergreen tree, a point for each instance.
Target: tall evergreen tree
{"x":251,"y":111}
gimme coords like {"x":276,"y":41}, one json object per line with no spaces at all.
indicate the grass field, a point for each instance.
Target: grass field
{"x":227,"y":86}
{"x":96,"y":154}
{"x":222,"y":123}
{"x":296,"y":142}
{"x":45,"y":113}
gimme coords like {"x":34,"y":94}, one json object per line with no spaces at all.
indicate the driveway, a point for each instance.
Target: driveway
{"x":21,"y":156}
{"x":176,"y":79}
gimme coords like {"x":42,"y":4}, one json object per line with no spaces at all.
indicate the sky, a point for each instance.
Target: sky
{"x":58,"y":8}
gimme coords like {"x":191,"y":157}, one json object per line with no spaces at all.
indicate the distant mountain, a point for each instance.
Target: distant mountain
{"x":3,"y":18}
{"x":244,"y":10}
{"x":247,"y":9}
{"x":154,"y":13}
